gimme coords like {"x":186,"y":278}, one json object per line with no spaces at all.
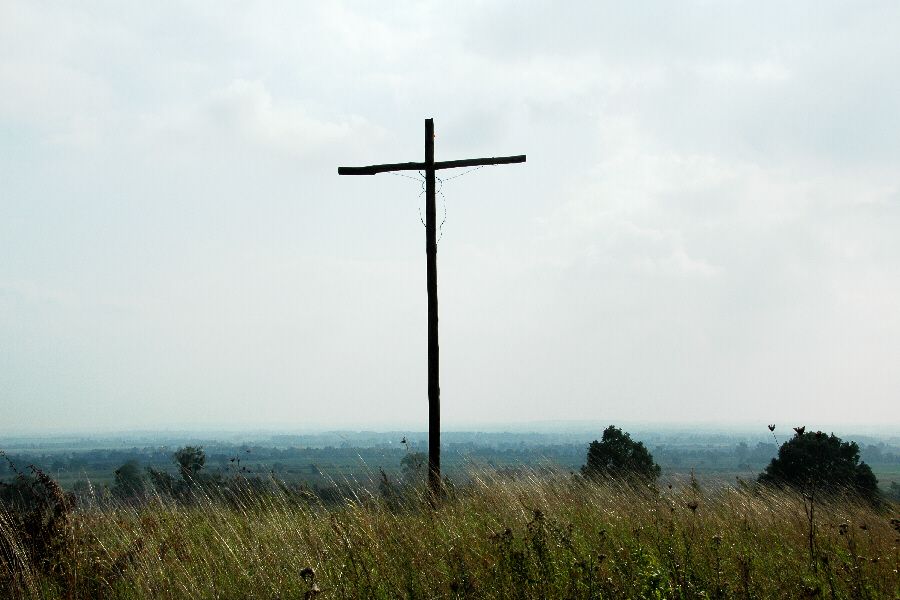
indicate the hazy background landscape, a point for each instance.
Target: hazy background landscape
{"x":213,"y":348}
{"x":322,"y":459}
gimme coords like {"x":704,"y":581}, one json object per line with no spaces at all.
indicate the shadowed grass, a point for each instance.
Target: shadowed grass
{"x":536,"y":536}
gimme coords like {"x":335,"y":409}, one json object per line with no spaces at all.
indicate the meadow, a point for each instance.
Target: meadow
{"x":536,"y":535}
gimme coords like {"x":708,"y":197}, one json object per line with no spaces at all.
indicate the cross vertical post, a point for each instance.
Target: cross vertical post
{"x":434,"y":388}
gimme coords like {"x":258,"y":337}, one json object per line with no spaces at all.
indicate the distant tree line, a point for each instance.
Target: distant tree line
{"x":807,"y":459}
{"x":310,"y":464}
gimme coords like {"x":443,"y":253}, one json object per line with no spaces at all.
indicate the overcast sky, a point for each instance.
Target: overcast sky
{"x":707,"y":227}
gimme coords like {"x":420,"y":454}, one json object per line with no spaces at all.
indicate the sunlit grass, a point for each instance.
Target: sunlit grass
{"x":535,"y":536}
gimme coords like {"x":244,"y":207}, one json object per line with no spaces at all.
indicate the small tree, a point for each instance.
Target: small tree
{"x":161,"y":482}
{"x":129,"y":480}
{"x":817,"y":462}
{"x":190,"y":461}
{"x":618,"y":456}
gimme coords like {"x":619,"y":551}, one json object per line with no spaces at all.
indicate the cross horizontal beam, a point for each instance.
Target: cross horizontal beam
{"x":420,"y":166}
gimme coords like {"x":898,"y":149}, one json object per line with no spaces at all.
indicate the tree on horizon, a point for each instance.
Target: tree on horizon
{"x":815,"y":461}
{"x":618,"y":456}
{"x":190,"y":460}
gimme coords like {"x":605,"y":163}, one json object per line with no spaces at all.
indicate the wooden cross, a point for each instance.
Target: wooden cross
{"x":430,"y":166}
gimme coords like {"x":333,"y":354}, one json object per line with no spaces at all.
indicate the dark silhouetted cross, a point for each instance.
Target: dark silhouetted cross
{"x":429,"y":167}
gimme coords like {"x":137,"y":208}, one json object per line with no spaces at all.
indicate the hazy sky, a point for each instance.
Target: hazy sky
{"x":707,"y":227}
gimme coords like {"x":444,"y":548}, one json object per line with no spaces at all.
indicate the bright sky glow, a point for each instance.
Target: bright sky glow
{"x":707,"y":227}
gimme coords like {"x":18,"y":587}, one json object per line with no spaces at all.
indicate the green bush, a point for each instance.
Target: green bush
{"x":818,"y":462}
{"x":618,"y":456}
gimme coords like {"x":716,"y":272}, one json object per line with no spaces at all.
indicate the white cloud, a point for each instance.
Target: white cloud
{"x":247,"y":109}
{"x":731,"y":72}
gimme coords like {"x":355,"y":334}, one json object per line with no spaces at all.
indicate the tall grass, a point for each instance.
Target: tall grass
{"x":534,"y":536}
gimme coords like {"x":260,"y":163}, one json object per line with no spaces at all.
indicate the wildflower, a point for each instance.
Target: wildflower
{"x":772,"y":431}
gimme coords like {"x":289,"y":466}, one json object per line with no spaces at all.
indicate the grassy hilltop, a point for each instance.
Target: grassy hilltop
{"x":534,"y":536}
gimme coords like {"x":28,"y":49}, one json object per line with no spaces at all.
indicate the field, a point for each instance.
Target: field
{"x":536,"y":535}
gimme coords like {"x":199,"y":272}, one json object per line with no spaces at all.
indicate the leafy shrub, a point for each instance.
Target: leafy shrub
{"x":818,"y":462}
{"x":40,"y":513}
{"x":618,"y":456}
